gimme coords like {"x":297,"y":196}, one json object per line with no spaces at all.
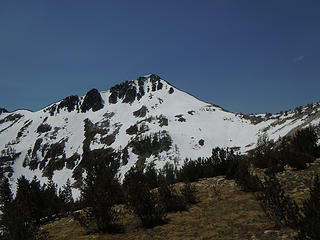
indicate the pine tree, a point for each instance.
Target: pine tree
{"x":100,"y":193}
{"x":309,"y":224}
{"x":278,"y":207}
{"x":169,"y":196}
{"x":6,"y":196}
{"x":5,"y":202}
{"x":18,"y":215}
{"x":143,"y":202}
{"x":65,"y":196}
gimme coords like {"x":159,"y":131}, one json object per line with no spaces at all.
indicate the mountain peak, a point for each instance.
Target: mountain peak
{"x":129,"y":91}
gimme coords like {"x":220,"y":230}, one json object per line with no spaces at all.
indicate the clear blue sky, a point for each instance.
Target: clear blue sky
{"x":246,"y":56}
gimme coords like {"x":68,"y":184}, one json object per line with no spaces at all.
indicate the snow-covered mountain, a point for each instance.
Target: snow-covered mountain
{"x":145,"y":121}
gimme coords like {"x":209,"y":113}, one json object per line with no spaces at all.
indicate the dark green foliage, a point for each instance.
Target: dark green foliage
{"x":143,"y":202}
{"x":247,"y":182}
{"x":145,"y":146}
{"x":305,"y":140}
{"x":299,"y":160}
{"x":71,"y":161}
{"x":151,"y":176}
{"x":218,"y":164}
{"x":57,"y":159}
{"x":125,"y":156}
{"x":43,"y":127}
{"x":32,"y":206}
{"x":169,"y":173}
{"x":169,"y":196}
{"x":296,"y":151}
{"x":6,"y":196}
{"x":188,"y":192}
{"x":65,"y":195}
{"x":261,"y":156}
{"x":310,"y":221}
{"x":101,"y":192}
{"x":278,"y":207}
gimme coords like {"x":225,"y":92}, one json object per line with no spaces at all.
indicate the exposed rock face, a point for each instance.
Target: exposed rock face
{"x":3,"y":110}
{"x":128,"y":92}
{"x":171,"y":90}
{"x":71,"y":103}
{"x":92,"y":100}
{"x":141,"y":112}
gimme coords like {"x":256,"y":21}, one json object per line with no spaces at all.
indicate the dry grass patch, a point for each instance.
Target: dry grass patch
{"x":223,"y":211}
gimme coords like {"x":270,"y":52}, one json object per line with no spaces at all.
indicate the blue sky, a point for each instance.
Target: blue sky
{"x":246,"y":56}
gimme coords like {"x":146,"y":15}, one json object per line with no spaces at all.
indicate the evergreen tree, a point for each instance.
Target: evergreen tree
{"x":280,"y":208}
{"x":65,"y":196}
{"x":188,"y":193}
{"x":5,"y":202}
{"x":247,"y":182}
{"x":169,"y":196}
{"x":143,"y":202}
{"x":5,"y":194}
{"x":100,"y":193}
{"x":305,"y":141}
{"x":18,"y":215}
{"x":309,"y":224}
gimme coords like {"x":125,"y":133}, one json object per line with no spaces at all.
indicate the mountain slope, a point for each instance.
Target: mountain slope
{"x":144,"y":121}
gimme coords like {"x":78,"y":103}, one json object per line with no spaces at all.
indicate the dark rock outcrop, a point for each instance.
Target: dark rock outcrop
{"x":171,"y":90}
{"x":3,"y":110}
{"x":71,"y":103}
{"x":128,"y":92}
{"x":92,"y":100}
{"x":141,"y":112}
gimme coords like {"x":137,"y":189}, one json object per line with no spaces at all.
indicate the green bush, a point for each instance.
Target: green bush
{"x":278,"y":207}
{"x":169,"y":196}
{"x":310,"y":221}
{"x":100,"y":193}
{"x":247,"y":182}
{"x":143,"y":202}
{"x":188,"y":193}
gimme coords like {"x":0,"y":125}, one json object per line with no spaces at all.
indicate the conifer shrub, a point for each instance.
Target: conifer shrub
{"x":142,"y":201}
{"x":309,"y":222}
{"x":188,"y":192}
{"x":33,"y":205}
{"x":261,"y":155}
{"x":299,"y":160}
{"x":151,"y":176}
{"x":221,"y":162}
{"x":247,"y":181}
{"x":278,"y":207}
{"x":101,"y":191}
{"x":171,"y":199}
{"x":305,"y":141}
{"x":169,"y":173}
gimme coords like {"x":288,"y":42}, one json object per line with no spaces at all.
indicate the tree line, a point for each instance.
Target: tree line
{"x":150,"y":193}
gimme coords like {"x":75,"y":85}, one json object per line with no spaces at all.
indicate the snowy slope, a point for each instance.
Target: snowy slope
{"x":52,"y":142}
